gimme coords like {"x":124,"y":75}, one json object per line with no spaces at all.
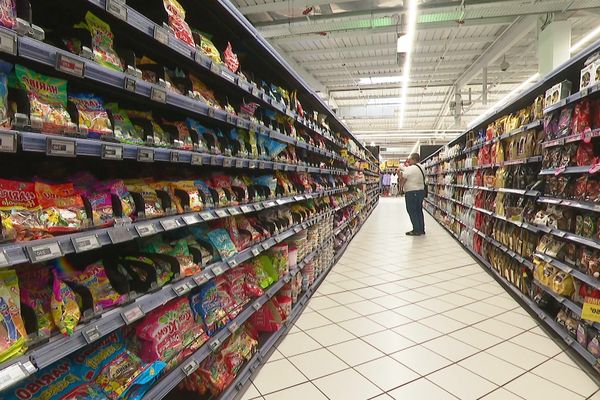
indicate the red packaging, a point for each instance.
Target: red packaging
{"x":585,"y":154}
{"x":581,"y":117}
{"x":269,"y":318}
{"x":19,"y":211}
{"x":62,"y":208}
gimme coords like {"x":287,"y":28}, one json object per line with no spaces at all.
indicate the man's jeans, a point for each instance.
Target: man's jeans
{"x":414,"y":207}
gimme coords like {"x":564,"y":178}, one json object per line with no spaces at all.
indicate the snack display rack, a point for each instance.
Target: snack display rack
{"x":324,"y":185}
{"x":518,"y":191}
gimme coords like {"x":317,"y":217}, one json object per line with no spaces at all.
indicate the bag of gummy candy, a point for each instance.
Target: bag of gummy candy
{"x":62,"y":208}
{"x":183,"y":138}
{"x":102,"y":209}
{"x":5,"y":69}
{"x":12,"y":329}
{"x":19,"y":211}
{"x":123,"y":198}
{"x":207,"y":46}
{"x":63,"y":306}
{"x":207,"y":307}
{"x":92,"y":115}
{"x":181,"y":251}
{"x":177,"y":21}
{"x":8,"y":13}
{"x":279,"y":254}
{"x":231,"y":307}
{"x":124,"y":129}
{"x":94,"y":278}
{"x":102,"y":42}
{"x":222,"y":242}
{"x":152,"y":205}
{"x":36,"y":292}
{"x":47,"y":99}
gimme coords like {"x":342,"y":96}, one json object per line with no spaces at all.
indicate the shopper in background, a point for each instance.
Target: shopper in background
{"x":394,"y":183}
{"x":412,"y":178}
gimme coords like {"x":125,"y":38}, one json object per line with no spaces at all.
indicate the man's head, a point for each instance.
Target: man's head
{"x":413,"y":159}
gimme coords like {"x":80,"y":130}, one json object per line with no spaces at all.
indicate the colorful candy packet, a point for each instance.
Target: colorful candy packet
{"x":177,"y":21}
{"x":124,"y":129}
{"x":36,"y":292}
{"x":94,"y":278}
{"x":12,"y":328}
{"x":64,"y":307}
{"x":92,"y":115}
{"x":19,"y":211}
{"x":8,"y":13}
{"x":102,"y":42}
{"x":62,"y":208}
{"x":222,"y":242}
{"x":207,"y":307}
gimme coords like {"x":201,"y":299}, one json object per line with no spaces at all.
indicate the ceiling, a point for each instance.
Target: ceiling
{"x":334,"y":45}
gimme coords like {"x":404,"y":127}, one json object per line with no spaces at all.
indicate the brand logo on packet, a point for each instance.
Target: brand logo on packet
{"x":40,"y":86}
{"x":43,"y":380}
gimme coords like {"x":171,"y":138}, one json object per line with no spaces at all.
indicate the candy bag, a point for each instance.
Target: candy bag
{"x":12,"y":329}
{"x":231,"y":307}
{"x":36,"y":292}
{"x":5,"y":68}
{"x":237,"y":281}
{"x":63,"y":306}
{"x":124,"y":129}
{"x":102,"y":210}
{"x":279,"y":254}
{"x":207,"y":307}
{"x":252,"y":287}
{"x":62,"y":209}
{"x":125,"y":200}
{"x":177,"y":21}
{"x":269,"y":317}
{"x":152,"y":204}
{"x":102,"y":42}
{"x":8,"y":13}
{"x":222,"y":242}
{"x":94,"y":278}
{"x":181,"y":251}
{"x":47,"y":99}
{"x":92,"y":114}
{"x":19,"y":211}
{"x":207,"y":46}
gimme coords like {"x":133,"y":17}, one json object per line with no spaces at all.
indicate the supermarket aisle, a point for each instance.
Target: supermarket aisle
{"x":415,"y":318}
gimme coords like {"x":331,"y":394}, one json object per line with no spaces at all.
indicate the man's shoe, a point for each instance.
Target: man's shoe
{"x":411,"y":233}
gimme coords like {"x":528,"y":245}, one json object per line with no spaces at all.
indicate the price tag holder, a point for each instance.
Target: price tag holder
{"x":258,"y":207}
{"x":256,"y":306}
{"x":85,"y":243}
{"x":231,"y":119}
{"x":262,"y":165}
{"x":251,"y":164}
{"x":280,"y":201}
{"x":159,"y":95}
{"x":207,"y":216}
{"x":218,"y":270}
{"x":145,"y":155}
{"x":202,"y":278}
{"x":212,"y":113}
{"x":255,"y":251}
{"x":222,"y":213}
{"x":145,"y":229}
{"x":15,"y":373}
{"x":246,"y":209}
{"x":44,"y":252}
{"x":227,"y":75}
{"x":214,"y":344}
{"x":119,"y":234}
{"x":132,"y":314}
{"x":175,"y":157}
{"x":181,"y":288}
{"x":239,"y":163}
{"x":8,"y":44}
{"x":191,"y":219}
{"x":214,"y":160}
{"x":170,"y":224}
{"x":3,"y":259}
{"x":232,"y":263}
{"x":112,"y":152}
{"x":232,"y":327}
{"x":91,"y":334}
{"x":130,"y":84}
{"x":161,"y":35}
{"x":61,"y":147}
{"x":70,"y":65}
{"x":215,"y":68}
{"x":196,"y":159}
{"x":8,"y":142}
{"x":117,"y":9}
{"x":298,"y":198}
{"x":227,"y":162}
{"x":190,"y":367}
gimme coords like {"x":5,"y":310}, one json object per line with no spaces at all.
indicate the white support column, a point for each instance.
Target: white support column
{"x":554,"y":43}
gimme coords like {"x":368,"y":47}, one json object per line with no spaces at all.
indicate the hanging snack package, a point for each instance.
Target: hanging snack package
{"x":279,"y":254}
{"x":19,"y":211}
{"x":47,"y":99}
{"x":102,"y":209}
{"x":92,"y":115}
{"x":183,"y":139}
{"x":177,"y":21}
{"x":192,"y":194}
{"x":94,"y":278}
{"x":159,"y":137}
{"x":207,"y":307}
{"x":102,"y":42}
{"x":237,"y":282}
{"x":222,"y":242}
{"x":167,"y":330}
{"x":231,"y":307}
{"x":201,"y":89}
{"x":62,"y":208}
{"x":8,"y":13}
{"x":252,"y":287}
{"x":207,"y":46}
{"x":36,"y":292}
{"x":152,"y":204}
{"x":63,"y":305}
{"x":124,"y":130}
{"x":181,"y":251}
{"x":5,"y":69}
{"x":12,"y":329}
{"x":123,"y":198}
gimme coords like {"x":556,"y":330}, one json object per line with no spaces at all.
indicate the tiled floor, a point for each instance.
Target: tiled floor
{"x":415,"y":318}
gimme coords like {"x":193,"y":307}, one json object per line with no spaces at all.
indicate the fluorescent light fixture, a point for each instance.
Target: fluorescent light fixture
{"x":410,"y":40}
{"x":493,"y":109}
{"x":403,"y":45}
{"x":585,"y":39}
{"x":415,"y":147}
{"x":372,"y":143}
{"x":384,"y":100}
{"x":380,"y":79}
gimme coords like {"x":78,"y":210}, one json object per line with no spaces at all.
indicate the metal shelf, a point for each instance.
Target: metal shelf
{"x":51,"y":248}
{"x":566,"y":170}
{"x":573,"y":98}
{"x":584,"y":205}
{"x":571,"y":139}
{"x":569,"y":270}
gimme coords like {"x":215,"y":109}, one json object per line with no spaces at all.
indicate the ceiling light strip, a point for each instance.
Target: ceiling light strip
{"x":410,"y":41}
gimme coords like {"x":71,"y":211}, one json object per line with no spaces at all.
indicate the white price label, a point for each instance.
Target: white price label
{"x":298,"y":198}
{"x":196,"y":159}
{"x":201,"y":279}
{"x":175,"y":157}
{"x":190,"y":367}
{"x":233,"y":211}
{"x":117,"y":9}
{"x":8,"y":142}
{"x":255,"y":251}
{"x":119,"y":235}
{"x":70,"y":65}
{"x":161,"y":35}
{"x":281,"y":201}
{"x":112,"y":152}
{"x":214,"y":160}
{"x":145,"y":229}
{"x":191,"y":219}
{"x":170,"y":224}
{"x":227,"y":162}
{"x":91,"y":334}
{"x":207,"y":216}
{"x":239,"y":163}
{"x":218,"y":270}
{"x":132,"y":314}
{"x":145,"y":155}
{"x":215,"y":68}
{"x":8,"y":42}
{"x":247,"y":209}
{"x":232,"y":327}
{"x":3,"y":259}
{"x":60,"y":147}
{"x":262,"y":165}
{"x":130,"y":84}
{"x":181,"y":288}
{"x":251,"y":164}
{"x":85,"y":243}
{"x":256,"y":306}
{"x":157,"y":94}
{"x":232,"y":263}
{"x":13,"y":374}
{"x":44,"y":252}
{"x":214,"y":344}
{"x":270,"y":204}
{"x":222,"y":213}
{"x":227,"y":75}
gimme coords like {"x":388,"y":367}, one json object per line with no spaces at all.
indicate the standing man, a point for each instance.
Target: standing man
{"x":412,"y":178}
{"x":394,"y":183}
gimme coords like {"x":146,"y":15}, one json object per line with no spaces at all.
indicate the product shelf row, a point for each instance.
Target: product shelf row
{"x":528,"y":160}
{"x":103,"y":324}
{"x":521,"y":192}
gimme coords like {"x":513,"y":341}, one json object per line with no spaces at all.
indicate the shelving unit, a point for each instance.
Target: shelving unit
{"x":469,"y":212}
{"x":334,"y":164}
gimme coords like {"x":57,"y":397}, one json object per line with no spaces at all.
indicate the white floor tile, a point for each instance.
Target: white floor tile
{"x":462,"y":383}
{"x":417,"y":332}
{"x":491,"y":368}
{"x":345,"y":298}
{"x":517,"y":355}
{"x":531,"y":387}
{"x":501,"y":394}
{"x":414,"y":312}
{"x":369,"y":293}
{"x":362,"y":326}
{"x":330,"y":334}
{"x":442,"y":323}
{"x":386,"y":373}
{"x":388,"y":341}
{"x":297,"y":343}
{"x":498,"y":328}
{"x":366,"y":307}
{"x":347,"y":385}
{"x":476,"y":338}
{"x":450,"y":348}
{"x":389,"y":319}
{"x":318,"y":363}
{"x":389,"y":302}
{"x":567,"y":377}
{"x":421,"y":360}
{"x":277,"y":375}
{"x":250,"y":393}
{"x":300,"y":392}
{"x":421,"y":389}
{"x":339,"y":313}
{"x":309,"y":320}
{"x":465,"y":316}
{"x":321,"y":303}
{"x":531,"y":341}
{"x":355,"y":352}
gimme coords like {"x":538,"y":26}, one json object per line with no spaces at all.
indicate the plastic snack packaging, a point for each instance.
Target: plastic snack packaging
{"x":62,"y":208}
{"x":152,"y":204}
{"x":252,"y":287}
{"x":237,"y":282}
{"x":279,"y":254}
{"x":231,"y":59}
{"x":63,"y":306}
{"x":19,"y":211}
{"x":166,"y":331}
{"x":94,"y":278}
{"x":102,"y":42}
{"x":12,"y":329}
{"x":92,"y":115}
{"x":269,"y":318}
{"x":36,"y":292}
{"x":47,"y":99}
{"x":102,"y":209}
{"x":222,"y":242}
{"x":123,"y":198}
{"x":207,"y":307}
{"x":183,"y":138}
{"x":124,"y":129}
{"x":181,"y":251}
{"x":231,"y":307}
{"x":8,"y":13}
{"x":194,"y":200}
{"x":177,"y":21}
{"x":5,"y":69}
{"x":207,"y":46}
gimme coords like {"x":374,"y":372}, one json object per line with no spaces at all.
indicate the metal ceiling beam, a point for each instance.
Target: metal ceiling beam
{"x":345,"y":87}
{"x":439,"y":76}
{"x":363,"y":98}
